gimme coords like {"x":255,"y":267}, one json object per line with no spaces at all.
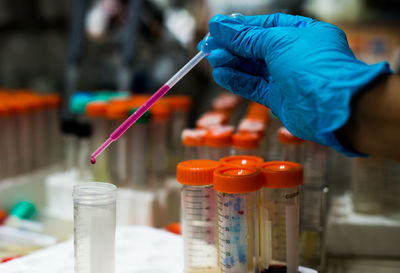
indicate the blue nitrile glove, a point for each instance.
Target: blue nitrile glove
{"x":301,"y":68}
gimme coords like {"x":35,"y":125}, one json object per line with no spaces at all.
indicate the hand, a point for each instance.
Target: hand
{"x":301,"y":68}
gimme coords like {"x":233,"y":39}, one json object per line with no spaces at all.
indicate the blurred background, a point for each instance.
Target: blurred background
{"x":75,"y":49}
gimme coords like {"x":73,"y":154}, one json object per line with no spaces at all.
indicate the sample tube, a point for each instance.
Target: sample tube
{"x":160,"y":121}
{"x":193,"y":141}
{"x":52,"y":104}
{"x":94,"y":227}
{"x":366,"y":184}
{"x":242,"y":160}
{"x":228,"y":104}
{"x":211,"y":120}
{"x":391,"y":187}
{"x":8,"y":160}
{"x":279,"y":213}
{"x":116,"y":113}
{"x":180,"y":107}
{"x":198,"y":215}
{"x":96,"y":112}
{"x":291,"y":147}
{"x":272,"y":141}
{"x":237,"y":204}
{"x":39,"y":132}
{"x":218,"y":141}
{"x":245,"y":144}
{"x":84,"y":132}
{"x":138,"y":146}
{"x":70,"y":143}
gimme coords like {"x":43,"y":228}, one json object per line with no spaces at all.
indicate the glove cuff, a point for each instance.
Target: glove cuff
{"x":357,"y":82}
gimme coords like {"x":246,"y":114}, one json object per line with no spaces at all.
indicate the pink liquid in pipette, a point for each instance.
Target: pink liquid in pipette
{"x":130,"y":121}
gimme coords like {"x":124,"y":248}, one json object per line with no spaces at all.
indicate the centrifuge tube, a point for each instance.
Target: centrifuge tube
{"x":94,"y":227}
{"x":138,"y":145}
{"x":160,"y":118}
{"x":96,"y":113}
{"x":211,"y":120}
{"x":246,"y":144}
{"x":291,"y":147}
{"x":52,"y":103}
{"x":218,"y":141}
{"x":237,"y":204}
{"x":242,"y":160}
{"x":193,"y":141}
{"x":8,"y":160}
{"x":274,"y":124}
{"x":198,"y":215}
{"x":279,"y":213}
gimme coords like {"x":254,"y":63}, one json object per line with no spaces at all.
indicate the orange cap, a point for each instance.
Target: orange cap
{"x":233,"y":179}
{"x":117,"y":110}
{"x":225,"y":102}
{"x":219,"y":136}
{"x":285,"y":137}
{"x":96,"y":109}
{"x":51,"y":100}
{"x":246,"y":140}
{"x":174,"y":227}
{"x":160,"y":110}
{"x":196,"y":172}
{"x":193,"y":137}
{"x":252,"y":125}
{"x":179,"y":102}
{"x":282,"y":174}
{"x":5,"y":109}
{"x":138,"y":99}
{"x":20,"y":105}
{"x":242,"y":160}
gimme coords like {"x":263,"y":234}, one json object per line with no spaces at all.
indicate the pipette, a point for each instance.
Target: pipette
{"x":153,"y":99}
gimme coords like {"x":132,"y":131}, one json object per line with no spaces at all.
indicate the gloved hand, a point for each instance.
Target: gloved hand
{"x":301,"y":68}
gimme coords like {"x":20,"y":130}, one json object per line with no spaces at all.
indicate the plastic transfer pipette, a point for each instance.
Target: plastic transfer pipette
{"x":153,"y":99}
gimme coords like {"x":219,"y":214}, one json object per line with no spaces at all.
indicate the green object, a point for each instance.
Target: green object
{"x":79,"y":101}
{"x":144,"y":119}
{"x":23,"y":210}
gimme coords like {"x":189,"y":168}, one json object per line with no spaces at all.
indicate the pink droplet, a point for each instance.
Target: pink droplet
{"x":93,"y":160}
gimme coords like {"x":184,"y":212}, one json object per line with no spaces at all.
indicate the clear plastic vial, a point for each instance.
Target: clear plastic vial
{"x":198,"y":215}
{"x":94,"y":227}
{"x":159,"y":126}
{"x":96,"y":113}
{"x":279,"y":213}
{"x":193,"y":141}
{"x":246,"y":144}
{"x":52,"y":104}
{"x":8,"y":160}
{"x":218,"y":141}
{"x":237,"y":205}
{"x":138,"y":151}
{"x":242,"y":160}
{"x":273,"y":152}
{"x":291,"y":147}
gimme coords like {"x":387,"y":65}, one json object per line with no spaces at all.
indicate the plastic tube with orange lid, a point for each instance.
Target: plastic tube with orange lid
{"x":279,"y":216}
{"x":193,"y":141}
{"x":198,"y":215}
{"x":218,"y":141}
{"x":246,"y":144}
{"x":8,"y":158}
{"x":242,"y":160}
{"x":51,"y":104}
{"x":291,"y":147}
{"x":237,"y":203}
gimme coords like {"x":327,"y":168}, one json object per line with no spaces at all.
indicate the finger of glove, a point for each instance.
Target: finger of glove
{"x":223,"y":58}
{"x":278,"y":20}
{"x":240,"y":39}
{"x":249,"y":86}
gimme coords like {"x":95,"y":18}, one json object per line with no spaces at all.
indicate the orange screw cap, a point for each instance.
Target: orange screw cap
{"x":196,"y":172}
{"x":232,"y":179}
{"x":282,"y":174}
{"x":242,"y":160}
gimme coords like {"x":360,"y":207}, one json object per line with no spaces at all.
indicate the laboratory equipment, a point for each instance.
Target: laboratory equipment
{"x":180,"y":106}
{"x":94,"y":227}
{"x":279,"y":213}
{"x":117,"y":111}
{"x":237,"y":204}
{"x":228,"y":104}
{"x":39,"y":132}
{"x":96,"y":113}
{"x":242,"y":160}
{"x":70,"y":141}
{"x":210,"y":120}
{"x":198,"y":215}
{"x":272,"y":141}
{"x":84,"y":133}
{"x":258,"y":111}
{"x":52,"y":104}
{"x":254,"y":125}
{"x":8,"y":160}
{"x":246,"y":144}
{"x":218,"y":141}
{"x":193,"y":141}
{"x":291,"y":147}
{"x":391,"y":187}
{"x":138,"y":146}
{"x":156,"y":96}
{"x":159,"y":125}
{"x":366,"y":184}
